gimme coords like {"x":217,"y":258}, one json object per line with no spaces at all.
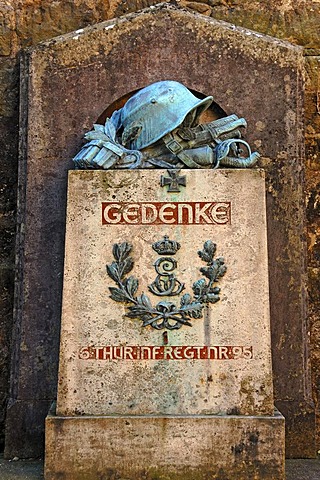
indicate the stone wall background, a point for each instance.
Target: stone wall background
{"x":25,"y":23}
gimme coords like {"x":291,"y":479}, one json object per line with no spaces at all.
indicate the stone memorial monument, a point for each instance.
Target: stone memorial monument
{"x":67,"y":84}
{"x":165,"y":351}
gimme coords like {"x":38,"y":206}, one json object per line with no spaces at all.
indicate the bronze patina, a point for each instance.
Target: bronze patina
{"x":165,"y":315}
{"x":158,"y":127}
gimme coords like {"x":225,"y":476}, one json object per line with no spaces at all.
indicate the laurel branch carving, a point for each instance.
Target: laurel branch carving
{"x":165,"y":314}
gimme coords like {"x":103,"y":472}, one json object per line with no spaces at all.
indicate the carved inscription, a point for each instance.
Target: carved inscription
{"x":137,"y":352}
{"x":173,"y":213}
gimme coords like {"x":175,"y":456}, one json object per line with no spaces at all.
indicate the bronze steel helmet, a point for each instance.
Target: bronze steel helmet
{"x":156,"y":110}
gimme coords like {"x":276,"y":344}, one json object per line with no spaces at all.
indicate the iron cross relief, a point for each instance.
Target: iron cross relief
{"x":173,"y":181}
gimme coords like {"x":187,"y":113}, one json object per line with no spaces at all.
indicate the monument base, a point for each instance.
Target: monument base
{"x":165,"y":447}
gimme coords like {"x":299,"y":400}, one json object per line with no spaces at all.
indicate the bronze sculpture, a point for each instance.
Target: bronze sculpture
{"x":158,"y":127}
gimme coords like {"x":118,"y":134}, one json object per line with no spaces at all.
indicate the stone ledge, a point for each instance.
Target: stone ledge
{"x":168,"y":447}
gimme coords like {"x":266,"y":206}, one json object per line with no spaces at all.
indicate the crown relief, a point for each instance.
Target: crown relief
{"x":166,"y":246}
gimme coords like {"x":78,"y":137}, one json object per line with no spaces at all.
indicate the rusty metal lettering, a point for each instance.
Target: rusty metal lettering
{"x":148,"y":213}
{"x":219,"y":213}
{"x":171,"y":213}
{"x":130,"y":213}
{"x":165,"y":352}
{"x":166,"y":213}
{"x":200,"y":213}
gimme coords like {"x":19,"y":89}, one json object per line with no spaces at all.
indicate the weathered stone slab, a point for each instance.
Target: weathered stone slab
{"x":171,"y":448}
{"x":111,"y":364}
